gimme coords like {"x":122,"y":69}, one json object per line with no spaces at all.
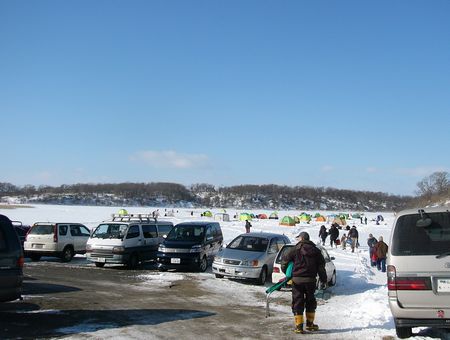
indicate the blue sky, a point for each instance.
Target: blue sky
{"x":344,"y":94}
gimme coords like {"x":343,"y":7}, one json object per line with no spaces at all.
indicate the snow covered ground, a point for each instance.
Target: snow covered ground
{"x":357,"y":307}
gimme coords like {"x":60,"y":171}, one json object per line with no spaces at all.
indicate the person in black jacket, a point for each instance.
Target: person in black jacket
{"x":323,"y":233}
{"x":353,"y":235}
{"x":334,"y":234}
{"x":308,"y":263}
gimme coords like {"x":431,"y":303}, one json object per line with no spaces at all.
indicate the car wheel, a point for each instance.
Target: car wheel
{"x":403,"y":332}
{"x":133,"y":261}
{"x":67,"y":254}
{"x":262,"y":276}
{"x":332,"y":281}
{"x":35,"y":257}
{"x":99,"y":264}
{"x":203,"y":264}
{"x":219,"y":276}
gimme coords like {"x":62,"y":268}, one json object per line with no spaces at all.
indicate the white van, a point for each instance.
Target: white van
{"x":418,"y":270}
{"x":126,"y":239}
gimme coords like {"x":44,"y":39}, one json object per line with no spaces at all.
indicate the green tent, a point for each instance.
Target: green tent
{"x":207,"y":213}
{"x":123,"y":212}
{"x":273,"y":216}
{"x":287,"y":220}
{"x":245,"y":217}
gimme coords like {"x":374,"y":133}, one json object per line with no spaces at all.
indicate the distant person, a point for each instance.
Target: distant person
{"x":353,"y":235}
{"x":334,"y":234}
{"x":365,"y":220}
{"x":248,"y":225}
{"x":381,"y":249}
{"x":323,"y":233}
{"x":343,"y":241}
{"x":371,"y":242}
{"x":192,"y":213}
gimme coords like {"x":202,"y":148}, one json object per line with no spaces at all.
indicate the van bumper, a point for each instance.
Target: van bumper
{"x":108,"y":258}
{"x":419,"y":317}
{"x":178,"y":260}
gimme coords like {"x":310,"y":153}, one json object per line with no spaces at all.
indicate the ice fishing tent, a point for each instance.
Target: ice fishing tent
{"x":340,"y":221}
{"x":321,"y":218}
{"x":245,"y":217}
{"x":356,"y":215}
{"x":296,"y":219}
{"x":207,"y":213}
{"x":222,"y":217}
{"x":262,"y":216}
{"x":317,"y":215}
{"x":305,"y":218}
{"x":273,"y":216}
{"x":287,"y":220}
{"x":123,"y":212}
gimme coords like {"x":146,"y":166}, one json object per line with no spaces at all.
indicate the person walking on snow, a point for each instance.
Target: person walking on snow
{"x":308,"y":263}
{"x":353,"y":235}
{"x":371,"y":242}
{"x":247,"y":226}
{"x":334,"y":234}
{"x":323,"y":233}
{"x":381,"y":250}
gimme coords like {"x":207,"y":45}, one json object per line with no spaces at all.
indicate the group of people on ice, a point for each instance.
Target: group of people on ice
{"x":351,"y":238}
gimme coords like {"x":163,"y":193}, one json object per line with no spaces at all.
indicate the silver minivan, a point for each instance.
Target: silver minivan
{"x":419,"y":269}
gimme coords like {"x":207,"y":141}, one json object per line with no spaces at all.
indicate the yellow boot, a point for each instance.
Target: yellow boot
{"x":310,"y":325}
{"x":298,"y":323}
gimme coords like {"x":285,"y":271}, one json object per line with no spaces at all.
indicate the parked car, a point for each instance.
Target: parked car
{"x":418,"y":269}
{"x":127,"y":239}
{"x":56,"y":239}
{"x":330,"y":268}
{"x":190,"y":245}
{"x":21,"y":230}
{"x":249,"y":256}
{"x":11,"y":262}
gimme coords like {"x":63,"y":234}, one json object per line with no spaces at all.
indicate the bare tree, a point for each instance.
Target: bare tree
{"x":435,"y":184}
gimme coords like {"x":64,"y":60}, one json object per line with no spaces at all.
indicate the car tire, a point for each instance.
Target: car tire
{"x":332,"y":281}
{"x":203,"y":265}
{"x":99,"y":264}
{"x":67,"y":254}
{"x":35,"y":257}
{"x":218,"y":276}
{"x":133,"y":261}
{"x":262,"y":276}
{"x":403,"y":332}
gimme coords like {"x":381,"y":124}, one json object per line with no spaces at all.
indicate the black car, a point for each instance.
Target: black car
{"x":21,"y":230}
{"x":11,"y":262}
{"x":190,"y":245}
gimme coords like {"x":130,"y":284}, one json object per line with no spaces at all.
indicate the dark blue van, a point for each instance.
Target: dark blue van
{"x":190,"y":245}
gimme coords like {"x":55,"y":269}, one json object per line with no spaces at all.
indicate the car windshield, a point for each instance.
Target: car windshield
{"x":42,"y":229}
{"x":187,"y":233}
{"x":111,"y":230}
{"x":249,"y":243}
{"x":422,"y":235}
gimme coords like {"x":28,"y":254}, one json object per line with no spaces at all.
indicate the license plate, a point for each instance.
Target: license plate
{"x":230,"y":271}
{"x":37,"y":246}
{"x":175,"y":260}
{"x":443,"y":285}
{"x":101,"y":259}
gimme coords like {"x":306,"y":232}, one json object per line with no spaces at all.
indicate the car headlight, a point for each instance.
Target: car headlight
{"x":88,"y":247}
{"x":162,"y":248}
{"x":196,"y":249}
{"x":118,"y":250}
{"x":250,"y":263}
{"x":218,"y":259}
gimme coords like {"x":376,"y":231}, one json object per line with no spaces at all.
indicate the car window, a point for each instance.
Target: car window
{"x":110,"y":230}
{"x":282,"y":253}
{"x":413,"y":238}
{"x":273,"y":248}
{"x":75,"y":230}
{"x":209,"y":233}
{"x":164,"y":229}
{"x":62,"y":229}
{"x":84,"y":231}
{"x":249,"y":243}
{"x":217,"y":232}
{"x":149,"y":231}
{"x":187,"y":233}
{"x":42,"y":229}
{"x":133,"y":231}
{"x":2,"y":240}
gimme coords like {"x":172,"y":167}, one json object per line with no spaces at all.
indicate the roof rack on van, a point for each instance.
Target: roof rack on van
{"x":133,"y":217}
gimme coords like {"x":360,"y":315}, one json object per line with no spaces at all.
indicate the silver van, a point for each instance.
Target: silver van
{"x":126,"y":239}
{"x":418,"y":270}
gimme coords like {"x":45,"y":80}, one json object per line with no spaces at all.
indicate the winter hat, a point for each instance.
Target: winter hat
{"x":370,"y":235}
{"x":304,"y":235}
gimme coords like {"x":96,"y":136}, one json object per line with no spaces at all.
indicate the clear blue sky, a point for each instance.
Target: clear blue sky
{"x":344,"y":94}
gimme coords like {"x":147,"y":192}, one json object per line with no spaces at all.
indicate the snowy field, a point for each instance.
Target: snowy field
{"x":356,"y":308}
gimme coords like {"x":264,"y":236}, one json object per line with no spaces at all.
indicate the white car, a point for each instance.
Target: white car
{"x":62,"y":240}
{"x":278,"y":275}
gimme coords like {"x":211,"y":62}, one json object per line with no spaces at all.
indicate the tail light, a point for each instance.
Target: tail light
{"x":20,"y":261}
{"x":276,"y":270}
{"x":55,"y":233}
{"x":406,"y":283}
